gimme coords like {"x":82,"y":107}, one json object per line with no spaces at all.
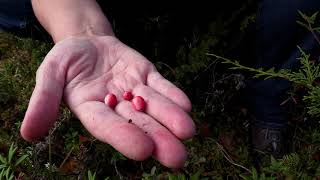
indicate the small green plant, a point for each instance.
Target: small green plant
{"x":307,"y":76}
{"x":150,"y":176}
{"x":72,"y":139}
{"x":180,"y":176}
{"x":173,"y":176}
{"x":91,"y":176}
{"x":177,"y":176}
{"x":8,"y":164}
{"x":255,"y":176}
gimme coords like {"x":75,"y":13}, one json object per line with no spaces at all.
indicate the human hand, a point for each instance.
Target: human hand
{"x":81,"y":71}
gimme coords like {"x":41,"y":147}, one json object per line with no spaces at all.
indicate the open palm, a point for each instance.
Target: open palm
{"x":81,"y":71}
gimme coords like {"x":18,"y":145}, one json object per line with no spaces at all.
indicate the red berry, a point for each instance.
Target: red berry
{"x":83,"y":139}
{"x":138,"y":103}
{"x":111,"y":100}
{"x":127,"y":95}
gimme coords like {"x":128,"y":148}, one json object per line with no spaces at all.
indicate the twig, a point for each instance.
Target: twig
{"x":117,"y":171}
{"x":313,"y":33}
{"x":171,"y":69}
{"x":67,"y":157}
{"x":222,"y":79}
{"x":229,"y":159}
{"x":260,"y":72}
{"x":209,"y":66}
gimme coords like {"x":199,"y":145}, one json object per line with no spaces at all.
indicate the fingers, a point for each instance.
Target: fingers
{"x":166,"y":112}
{"x":44,"y":103}
{"x":168,"y":150}
{"x":107,"y":126}
{"x":156,"y":81}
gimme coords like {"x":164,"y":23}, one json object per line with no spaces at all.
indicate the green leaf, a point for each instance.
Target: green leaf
{"x":318,"y":171}
{"x":21,"y":159}
{"x":182,"y":177}
{"x":91,"y":176}
{"x":244,"y":177}
{"x":171,"y":176}
{"x":305,"y":17}
{"x":153,"y":170}
{"x":196,"y":176}
{"x":273,"y":160}
{"x":11,"y":177}
{"x":317,"y":29}
{"x":313,"y":18}
{"x":2,"y":173}
{"x":254,"y":174}
{"x":12,"y":150}
{"x":3,"y":159}
{"x":7,"y":173}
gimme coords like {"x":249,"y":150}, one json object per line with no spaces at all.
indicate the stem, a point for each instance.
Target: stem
{"x":170,"y":68}
{"x":67,"y":156}
{"x":239,"y":66}
{"x":117,"y":171}
{"x":228,"y":158}
{"x":313,"y":33}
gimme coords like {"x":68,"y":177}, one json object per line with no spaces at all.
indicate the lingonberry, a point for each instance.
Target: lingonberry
{"x":110,"y":100}
{"x":127,"y":95}
{"x":138,"y":103}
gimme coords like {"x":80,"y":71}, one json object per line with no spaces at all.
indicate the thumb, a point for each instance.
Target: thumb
{"x":44,"y":104}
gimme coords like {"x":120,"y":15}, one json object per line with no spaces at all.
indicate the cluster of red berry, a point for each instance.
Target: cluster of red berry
{"x":137,"y":102}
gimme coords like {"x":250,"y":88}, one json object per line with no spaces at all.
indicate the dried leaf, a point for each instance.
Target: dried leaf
{"x":69,"y":166}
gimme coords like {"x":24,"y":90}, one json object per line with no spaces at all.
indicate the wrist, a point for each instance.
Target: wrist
{"x":87,"y":30}
{"x":64,"y":18}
